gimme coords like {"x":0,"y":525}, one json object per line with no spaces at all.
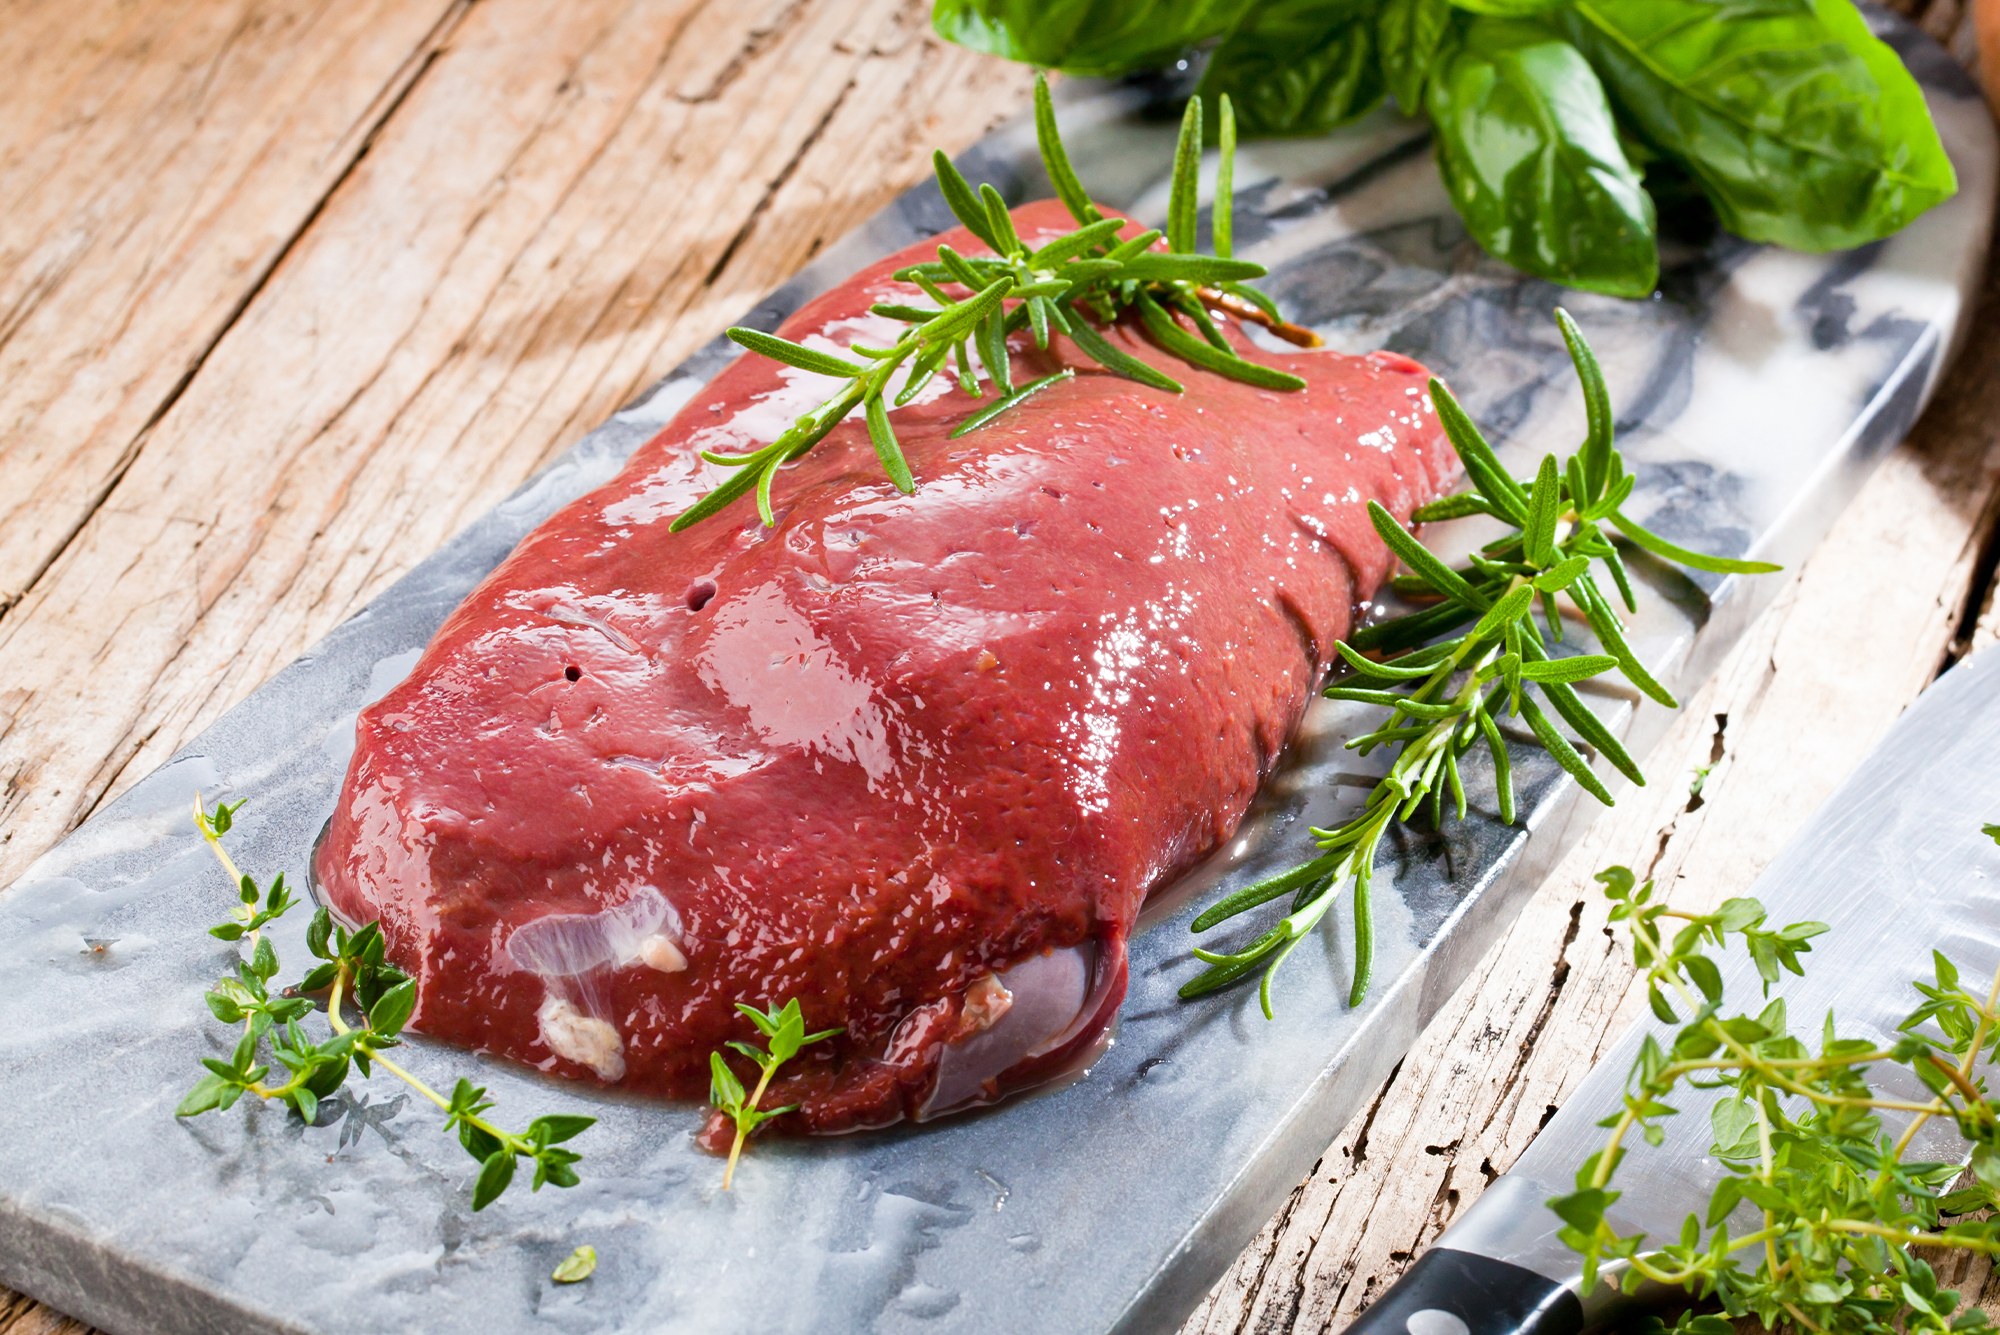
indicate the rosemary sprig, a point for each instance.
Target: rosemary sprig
{"x":1067,"y":286}
{"x":1449,"y":695}
{"x":1799,"y":1137}
{"x":784,"y":1032}
{"x":351,"y":968}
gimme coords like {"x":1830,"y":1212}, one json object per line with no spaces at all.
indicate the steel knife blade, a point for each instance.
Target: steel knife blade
{"x":1899,"y":841}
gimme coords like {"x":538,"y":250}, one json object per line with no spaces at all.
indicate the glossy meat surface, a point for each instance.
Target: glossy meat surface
{"x":916,"y":761}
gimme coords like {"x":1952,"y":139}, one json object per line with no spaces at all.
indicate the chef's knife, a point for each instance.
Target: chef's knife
{"x":1900,"y":842}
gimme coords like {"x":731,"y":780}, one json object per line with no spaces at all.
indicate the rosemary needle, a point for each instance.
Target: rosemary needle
{"x":1448,"y":687}
{"x":1067,"y":285}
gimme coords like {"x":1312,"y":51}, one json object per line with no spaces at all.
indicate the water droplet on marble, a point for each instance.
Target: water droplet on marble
{"x":923,"y":1300}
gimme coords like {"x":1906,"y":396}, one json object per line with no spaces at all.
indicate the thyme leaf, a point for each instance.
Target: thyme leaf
{"x":1798,"y":1135}
{"x":351,"y":969}
{"x":578,"y":1266}
{"x":784,"y":1031}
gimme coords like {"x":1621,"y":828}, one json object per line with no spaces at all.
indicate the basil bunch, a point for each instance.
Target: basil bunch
{"x":1556,"y":122}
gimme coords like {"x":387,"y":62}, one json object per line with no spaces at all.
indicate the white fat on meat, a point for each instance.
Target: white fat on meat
{"x":583,"y":1039}
{"x":1045,"y":997}
{"x":985,"y":1002}
{"x":659,"y":951}
{"x":568,"y":945}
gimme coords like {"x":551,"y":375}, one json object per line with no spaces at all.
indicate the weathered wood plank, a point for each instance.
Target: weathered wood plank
{"x":1786,"y":719}
{"x":24,"y":1316}
{"x":568,"y":201}
{"x":156,"y":161}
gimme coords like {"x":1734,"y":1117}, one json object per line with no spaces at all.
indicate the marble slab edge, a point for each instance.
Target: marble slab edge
{"x":1557,"y":818}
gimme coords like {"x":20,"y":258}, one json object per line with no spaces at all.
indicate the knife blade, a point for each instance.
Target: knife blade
{"x":1901,"y":839}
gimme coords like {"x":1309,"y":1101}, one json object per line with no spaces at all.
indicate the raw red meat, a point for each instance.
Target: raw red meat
{"x":914,"y":760}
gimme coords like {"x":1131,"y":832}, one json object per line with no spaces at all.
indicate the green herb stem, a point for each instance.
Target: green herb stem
{"x":742,"y":1134}
{"x":784,"y":1032}
{"x":352,"y":963}
{"x":340,"y":1026}
{"x":1840,"y":1206}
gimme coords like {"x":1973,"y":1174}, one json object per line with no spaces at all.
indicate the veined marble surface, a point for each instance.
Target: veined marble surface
{"x":1755,"y":391}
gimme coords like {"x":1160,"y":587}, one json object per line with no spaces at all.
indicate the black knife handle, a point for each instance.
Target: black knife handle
{"x":1451,"y":1292}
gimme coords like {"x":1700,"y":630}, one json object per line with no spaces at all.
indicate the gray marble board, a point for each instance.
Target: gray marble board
{"x":1755,"y":392}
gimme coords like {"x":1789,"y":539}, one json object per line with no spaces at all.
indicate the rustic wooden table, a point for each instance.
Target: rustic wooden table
{"x":292,"y":289}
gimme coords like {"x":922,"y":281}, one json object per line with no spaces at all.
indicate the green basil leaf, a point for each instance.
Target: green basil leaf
{"x":1298,"y":67}
{"x":1514,"y":9}
{"x":1097,"y":37}
{"x":1410,"y":36}
{"x":1800,"y":126}
{"x":1530,"y":155}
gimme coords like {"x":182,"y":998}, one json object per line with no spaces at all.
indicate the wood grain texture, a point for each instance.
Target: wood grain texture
{"x":1986,"y":29}
{"x":565,"y":202}
{"x":1787,"y":718}
{"x":156,"y":162}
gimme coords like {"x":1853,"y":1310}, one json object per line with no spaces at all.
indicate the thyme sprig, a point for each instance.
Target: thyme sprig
{"x":784,"y":1031}
{"x":1450,"y":695}
{"x":1799,"y":1136}
{"x":1068,"y":285}
{"x":351,"y":969}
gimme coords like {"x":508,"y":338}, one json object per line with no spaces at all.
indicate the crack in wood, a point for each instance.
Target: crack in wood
{"x":1265,"y":1323}
{"x":1359,"y":1154}
{"x":1715,"y":750}
{"x":777,"y":184}
{"x":1558,"y":980}
{"x":758,"y":40}
{"x":1977,"y":606}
